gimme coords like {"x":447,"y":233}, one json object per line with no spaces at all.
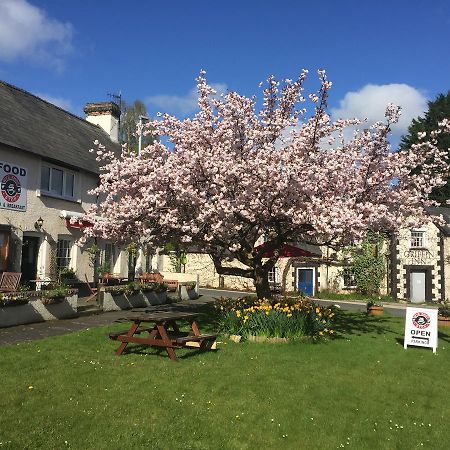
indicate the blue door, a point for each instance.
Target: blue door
{"x":305,"y":281}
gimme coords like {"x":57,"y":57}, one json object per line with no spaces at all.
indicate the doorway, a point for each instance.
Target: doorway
{"x":417,"y":286}
{"x":30,"y":250}
{"x":305,"y":281}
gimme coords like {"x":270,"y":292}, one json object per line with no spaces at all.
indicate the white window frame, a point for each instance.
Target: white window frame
{"x":114,"y":255}
{"x":66,"y":172}
{"x":69,"y":252}
{"x":273,"y":276}
{"x":423,"y":238}
{"x":349,"y":268}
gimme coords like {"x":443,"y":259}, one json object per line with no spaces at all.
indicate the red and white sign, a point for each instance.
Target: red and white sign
{"x":13,"y":192}
{"x":421,"y":327}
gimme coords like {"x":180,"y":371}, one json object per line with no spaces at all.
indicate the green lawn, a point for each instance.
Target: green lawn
{"x":327,"y":295}
{"x":361,"y":390}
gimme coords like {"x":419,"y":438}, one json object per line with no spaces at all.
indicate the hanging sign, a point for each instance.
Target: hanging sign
{"x":421,"y":328}
{"x":13,"y":182}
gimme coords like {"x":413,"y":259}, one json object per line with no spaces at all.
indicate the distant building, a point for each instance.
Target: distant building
{"x":417,"y":266}
{"x":46,"y":170}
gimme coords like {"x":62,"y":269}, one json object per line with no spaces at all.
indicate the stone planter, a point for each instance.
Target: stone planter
{"x":10,"y":303}
{"x":272,"y":340}
{"x":136,"y":300}
{"x":443,"y":321}
{"x":187,"y":292}
{"x":37,"y":311}
{"x":374,"y":310}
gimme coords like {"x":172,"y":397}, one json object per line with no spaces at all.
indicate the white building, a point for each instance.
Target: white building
{"x":46,"y":171}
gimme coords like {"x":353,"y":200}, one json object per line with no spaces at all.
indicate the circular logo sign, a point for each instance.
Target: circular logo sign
{"x":421,"y":320}
{"x":10,"y":188}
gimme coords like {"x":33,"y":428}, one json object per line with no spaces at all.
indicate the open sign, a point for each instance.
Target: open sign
{"x":421,"y":328}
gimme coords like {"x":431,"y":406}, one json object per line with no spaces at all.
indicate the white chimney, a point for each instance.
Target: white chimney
{"x":105,"y":115}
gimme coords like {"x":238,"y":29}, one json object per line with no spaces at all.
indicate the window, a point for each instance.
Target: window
{"x":417,"y":239}
{"x":273,"y":275}
{"x":63,"y":249}
{"x":110,"y":256}
{"x":148,"y":260}
{"x":57,"y":181}
{"x":348,"y":274}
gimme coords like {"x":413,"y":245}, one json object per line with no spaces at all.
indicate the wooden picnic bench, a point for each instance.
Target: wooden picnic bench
{"x":164,"y":333}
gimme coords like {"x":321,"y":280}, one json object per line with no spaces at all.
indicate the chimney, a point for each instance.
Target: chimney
{"x":106,"y":115}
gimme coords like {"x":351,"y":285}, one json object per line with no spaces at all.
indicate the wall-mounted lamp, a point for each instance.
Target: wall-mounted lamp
{"x":38,"y":224}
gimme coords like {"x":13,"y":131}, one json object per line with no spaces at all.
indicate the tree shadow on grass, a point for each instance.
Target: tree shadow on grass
{"x":360,"y":323}
{"x":181,"y":353}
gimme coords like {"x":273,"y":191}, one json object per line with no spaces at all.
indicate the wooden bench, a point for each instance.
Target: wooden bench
{"x":193,"y":338}
{"x":115,"y":334}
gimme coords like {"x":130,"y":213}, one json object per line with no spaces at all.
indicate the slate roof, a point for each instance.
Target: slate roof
{"x":445,"y":213}
{"x":29,"y":123}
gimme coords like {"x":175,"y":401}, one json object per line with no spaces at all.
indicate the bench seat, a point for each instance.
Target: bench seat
{"x":192,"y":338}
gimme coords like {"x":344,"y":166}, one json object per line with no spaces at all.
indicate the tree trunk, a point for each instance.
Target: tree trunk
{"x":261,"y":283}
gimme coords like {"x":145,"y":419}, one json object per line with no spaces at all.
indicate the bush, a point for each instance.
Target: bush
{"x":286,"y":318}
{"x":444,"y":309}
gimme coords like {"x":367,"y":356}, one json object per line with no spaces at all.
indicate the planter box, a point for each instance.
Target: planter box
{"x":272,"y":340}
{"x":136,"y":300}
{"x":374,"y":310}
{"x":36,"y":311}
{"x":443,"y":321}
{"x":187,"y":294}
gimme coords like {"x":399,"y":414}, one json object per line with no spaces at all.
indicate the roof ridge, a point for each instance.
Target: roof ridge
{"x":49,"y":103}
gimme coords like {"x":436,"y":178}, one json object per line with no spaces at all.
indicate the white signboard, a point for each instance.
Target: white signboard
{"x":421,"y":327}
{"x":13,"y":184}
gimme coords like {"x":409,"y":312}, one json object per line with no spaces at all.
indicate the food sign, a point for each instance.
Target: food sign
{"x":13,"y":182}
{"x":421,"y":327}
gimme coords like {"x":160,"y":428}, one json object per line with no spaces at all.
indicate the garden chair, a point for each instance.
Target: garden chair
{"x":10,"y":281}
{"x":92,"y":290}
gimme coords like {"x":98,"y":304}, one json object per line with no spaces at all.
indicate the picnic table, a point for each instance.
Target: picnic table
{"x":164,"y":332}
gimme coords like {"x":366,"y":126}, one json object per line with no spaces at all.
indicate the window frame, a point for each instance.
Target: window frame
{"x":113,"y":255}
{"x":346,"y":276}
{"x":65,"y":177}
{"x":67,"y":257}
{"x":273,"y":275}
{"x":422,"y":239}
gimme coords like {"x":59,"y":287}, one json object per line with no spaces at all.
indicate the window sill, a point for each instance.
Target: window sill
{"x":59,"y":197}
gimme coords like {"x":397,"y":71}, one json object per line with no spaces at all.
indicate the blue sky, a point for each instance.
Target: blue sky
{"x":73,"y":52}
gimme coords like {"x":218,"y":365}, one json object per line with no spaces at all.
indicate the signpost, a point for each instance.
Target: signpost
{"x":421,"y":328}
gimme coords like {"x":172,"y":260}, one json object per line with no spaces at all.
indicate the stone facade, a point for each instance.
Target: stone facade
{"x":417,"y":268}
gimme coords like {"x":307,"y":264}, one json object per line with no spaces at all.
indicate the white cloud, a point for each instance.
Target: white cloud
{"x":183,"y":105}
{"x":63,"y":103}
{"x":371,"y":100}
{"x":27,"y":32}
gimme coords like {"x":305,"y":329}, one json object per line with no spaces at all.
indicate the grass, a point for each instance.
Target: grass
{"x":327,"y":295}
{"x":361,"y":390}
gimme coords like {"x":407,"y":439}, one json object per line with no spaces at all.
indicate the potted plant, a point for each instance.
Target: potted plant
{"x":444,"y":315}
{"x":374,"y":308}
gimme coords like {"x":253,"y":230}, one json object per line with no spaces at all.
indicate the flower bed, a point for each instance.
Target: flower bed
{"x":285,"y":318}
